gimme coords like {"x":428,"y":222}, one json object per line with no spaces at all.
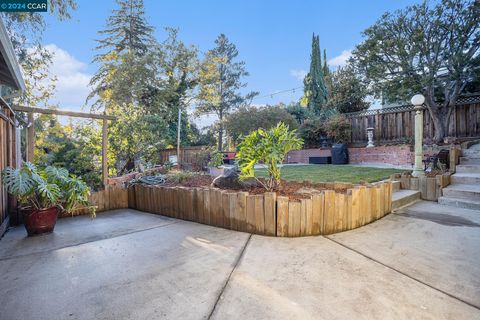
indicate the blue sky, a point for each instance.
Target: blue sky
{"x":273,"y":37}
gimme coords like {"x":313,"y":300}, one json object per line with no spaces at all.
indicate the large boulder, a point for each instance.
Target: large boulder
{"x":230,"y":180}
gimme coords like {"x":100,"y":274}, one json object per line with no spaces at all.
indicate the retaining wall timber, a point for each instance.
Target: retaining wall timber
{"x":324,"y":212}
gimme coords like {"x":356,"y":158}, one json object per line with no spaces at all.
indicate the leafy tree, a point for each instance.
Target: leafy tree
{"x":301,"y":114}
{"x":75,"y":147}
{"x":347,"y":91}
{"x":202,"y":137}
{"x":425,"y":49}
{"x":247,"y":119}
{"x":177,"y":68}
{"x":269,"y":147}
{"x":25,"y":30}
{"x":315,"y":91}
{"x":220,"y":80}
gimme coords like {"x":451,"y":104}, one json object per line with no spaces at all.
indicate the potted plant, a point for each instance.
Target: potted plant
{"x":42,"y":194}
{"x":215,"y":164}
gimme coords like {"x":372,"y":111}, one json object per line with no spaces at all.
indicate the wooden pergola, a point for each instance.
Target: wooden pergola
{"x":30,"y":137}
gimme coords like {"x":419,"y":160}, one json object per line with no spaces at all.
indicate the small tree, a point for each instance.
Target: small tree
{"x":269,"y":147}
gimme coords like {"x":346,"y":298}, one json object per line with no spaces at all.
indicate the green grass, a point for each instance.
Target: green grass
{"x":332,"y":173}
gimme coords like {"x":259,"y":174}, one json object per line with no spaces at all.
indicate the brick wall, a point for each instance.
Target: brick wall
{"x":394,"y":155}
{"x":301,"y":156}
{"x":401,"y":155}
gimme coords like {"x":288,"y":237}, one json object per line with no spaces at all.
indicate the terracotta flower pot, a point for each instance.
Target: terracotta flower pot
{"x":39,"y":221}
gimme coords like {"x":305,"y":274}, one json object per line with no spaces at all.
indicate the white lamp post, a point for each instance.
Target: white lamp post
{"x":417,"y":101}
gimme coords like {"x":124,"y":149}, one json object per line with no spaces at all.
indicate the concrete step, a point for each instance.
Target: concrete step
{"x":468,"y":168}
{"x":460,"y":203}
{"x":465,"y":178}
{"x":462,"y":191}
{"x":468,"y":161}
{"x":404,"y":197}
{"x":471,"y":153}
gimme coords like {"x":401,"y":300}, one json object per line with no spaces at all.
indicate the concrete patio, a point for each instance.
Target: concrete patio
{"x":421,"y":263}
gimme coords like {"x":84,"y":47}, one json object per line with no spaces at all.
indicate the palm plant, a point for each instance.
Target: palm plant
{"x":269,"y":147}
{"x":38,"y":189}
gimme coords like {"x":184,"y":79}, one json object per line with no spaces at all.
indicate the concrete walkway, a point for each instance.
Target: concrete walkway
{"x":421,"y":263}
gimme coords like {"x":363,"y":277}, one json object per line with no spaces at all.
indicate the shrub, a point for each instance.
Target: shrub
{"x":269,"y":147}
{"x":216,"y":159}
{"x":179,"y":177}
{"x":338,"y":127}
{"x":311,"y":131}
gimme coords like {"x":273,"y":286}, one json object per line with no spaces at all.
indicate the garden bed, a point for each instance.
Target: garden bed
{"x":267,"y":213}
{"x":292,"y":189}
{"x":309,"y":208}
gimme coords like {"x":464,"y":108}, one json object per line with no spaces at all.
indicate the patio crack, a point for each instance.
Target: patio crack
{"x":237,"y":262}
{"x":403,"y":273}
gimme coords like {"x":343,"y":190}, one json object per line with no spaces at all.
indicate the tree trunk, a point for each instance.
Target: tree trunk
{"x":440,"y":116}
{"x":440,"y":127}
{"x":220,"y":132}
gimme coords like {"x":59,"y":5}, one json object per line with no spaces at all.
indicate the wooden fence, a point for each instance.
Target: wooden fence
{"x":187,"y":154}
{"x":397,"y":125}
{"x":8,"y":157}
{"x":324,"y":213}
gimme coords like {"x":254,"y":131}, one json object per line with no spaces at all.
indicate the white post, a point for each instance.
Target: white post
{"x":179,"y":125}
{"x":417,"y":101}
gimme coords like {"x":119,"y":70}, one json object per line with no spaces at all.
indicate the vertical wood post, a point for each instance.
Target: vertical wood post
{"x":104,"y":152}
{"x":30,"y":138}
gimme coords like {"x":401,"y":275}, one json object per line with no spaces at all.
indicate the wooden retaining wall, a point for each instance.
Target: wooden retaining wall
{"x":112,"y":197}
{"x":429,"y":187}
{"x":267,"y":214}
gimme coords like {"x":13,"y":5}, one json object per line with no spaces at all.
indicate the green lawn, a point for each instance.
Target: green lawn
{"x":332,"y":173}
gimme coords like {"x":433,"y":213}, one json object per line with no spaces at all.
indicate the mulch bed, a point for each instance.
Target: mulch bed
{"x":291,"y":189}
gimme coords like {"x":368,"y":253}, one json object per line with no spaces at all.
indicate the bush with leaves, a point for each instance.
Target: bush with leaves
{"x":269,"y":147}
{"x":46,"y":188}
{"x":216,"y":159}
{"x":338,"y":128}
{"x":311,"y":131}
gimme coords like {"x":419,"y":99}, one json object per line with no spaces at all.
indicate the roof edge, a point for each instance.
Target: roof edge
{"x":6,"y":48}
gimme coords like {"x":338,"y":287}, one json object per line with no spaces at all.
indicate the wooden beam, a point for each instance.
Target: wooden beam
{"x":30,"y":137}
{"x":63,"y":113}
{"x":104,"y":152}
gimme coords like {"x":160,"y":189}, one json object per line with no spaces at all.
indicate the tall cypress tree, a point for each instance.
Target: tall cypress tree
{"x":315,"y":91}
{"x":326,"y":71}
